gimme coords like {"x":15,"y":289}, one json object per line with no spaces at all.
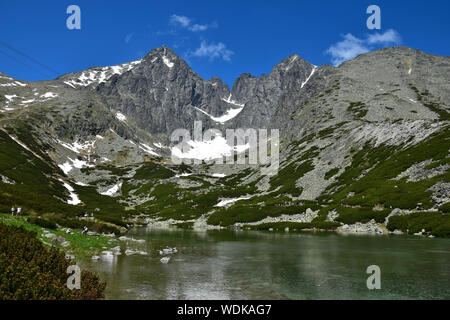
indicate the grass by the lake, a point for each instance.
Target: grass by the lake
{"x":80,"y":245}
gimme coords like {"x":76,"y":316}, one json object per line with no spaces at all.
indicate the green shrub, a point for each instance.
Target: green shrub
{"x":42,"y":223}
{"x":30,"y":271}
{"x":103,"y":228}
{"x":279,"y":226}
{"x":325,"y":225}
{"x":331,"y":173}
{"x":398,"y":223}
{"x":381,"y":165}
{"x":438,"y":224}
{"x":445,"y":207}
{"x":352,"y":215}
{"x":185,"y":225}
{"x":151,"y":170}
{"x":358,"y":109}
{"x":30,"y":171}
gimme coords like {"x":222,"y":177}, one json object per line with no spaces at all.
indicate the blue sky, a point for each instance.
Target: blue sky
{"x":217,"y":38}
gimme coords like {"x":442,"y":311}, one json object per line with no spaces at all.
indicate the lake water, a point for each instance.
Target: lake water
{"x":267,"y":265}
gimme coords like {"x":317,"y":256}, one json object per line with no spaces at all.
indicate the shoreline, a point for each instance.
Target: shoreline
{"x":200,"y":225}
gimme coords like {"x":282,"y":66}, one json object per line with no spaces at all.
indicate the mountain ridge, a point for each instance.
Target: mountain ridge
{"x":346,"y":133}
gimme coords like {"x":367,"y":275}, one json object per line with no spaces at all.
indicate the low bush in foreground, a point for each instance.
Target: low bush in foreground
{"x":30,"y":271}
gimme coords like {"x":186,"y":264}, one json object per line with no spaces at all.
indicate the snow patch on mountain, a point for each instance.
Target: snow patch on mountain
{"x":148,"y":149}
{"x":167,"y":62}
{"x":207,"y":150}
{"x":183,"y":175}
{"x":74,"y":197}
{"x":234,"y":102}
{"x":160,"y":145}
{"x":67,"y":166}
{"x":218,"y":175}
{"x":10,"y":97}
{"x":225,"y":202}
{"x":228,"y":115}
{"x":77,"y":146}
{"x":79,"y":164}
{"x":113,"y":190}
{"x":13,"y":84}
{"x":99,"y":75}
{"x":120,"y":116}
{"x":307,"y":79}
{"x":49,"y":95}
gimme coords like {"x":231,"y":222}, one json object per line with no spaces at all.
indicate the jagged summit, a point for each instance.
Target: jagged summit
{"x":167,"y":58}
{"x":97,"y":75}
{"x":161,"y":92}
{"x":292,"y":61}
{"x":163,"y":50}
{"x":164,"y":55}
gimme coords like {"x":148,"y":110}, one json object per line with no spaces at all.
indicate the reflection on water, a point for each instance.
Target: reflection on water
{"x":266,"y":265}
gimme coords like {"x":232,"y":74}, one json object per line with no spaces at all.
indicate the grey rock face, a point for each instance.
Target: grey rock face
{"x":263,"y":96}
{"x":386,"y":85}
{"x":162,"y":94}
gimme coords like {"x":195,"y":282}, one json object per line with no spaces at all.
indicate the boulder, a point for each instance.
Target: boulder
{"x":165,"y":260}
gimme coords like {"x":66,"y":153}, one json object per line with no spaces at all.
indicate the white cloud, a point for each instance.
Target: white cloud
{"x":180,"y":20}
{"x":209,"y":50}
{"x":347,"y":49}
{"x":128,"y":37}
{"x":351,"y":46}
{"x":390,"y":36}
{"x":198,"y":27}
{"x":213,"y":51}
{"x":185,"y":22}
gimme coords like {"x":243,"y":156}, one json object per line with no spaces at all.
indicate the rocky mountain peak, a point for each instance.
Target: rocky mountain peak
{"x":291,"y":64}
{"x":164,"y":55}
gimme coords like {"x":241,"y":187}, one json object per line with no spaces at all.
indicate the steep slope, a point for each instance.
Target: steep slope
{"x":385,"y":85}
{"x":261,"y":96}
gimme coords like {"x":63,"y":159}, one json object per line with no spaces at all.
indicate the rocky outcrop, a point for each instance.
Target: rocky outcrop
{"x":370,"y":227}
